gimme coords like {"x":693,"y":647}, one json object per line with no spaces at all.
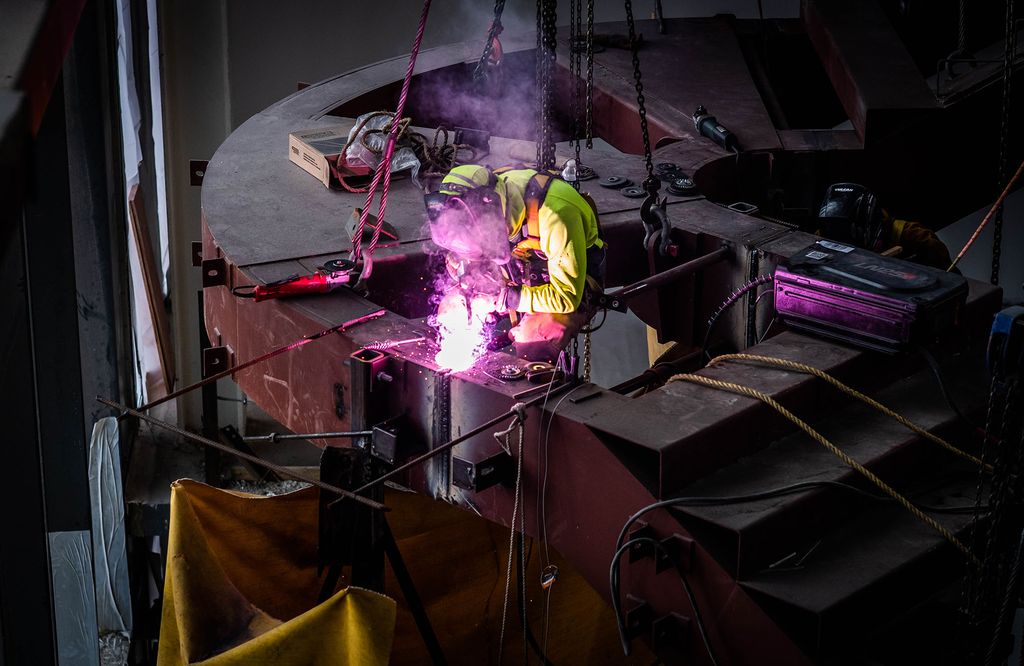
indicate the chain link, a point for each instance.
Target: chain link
{"x":971,"y":595}
{"x":1009,"y":54}
{"x":986,"y":582}
{"x":634,"y":48}
{"x":496,"y":29}
{"x":575,"y":74}
{"x":586,"y":356}
{"x":547,"y":34}
{"x":590,"y":74}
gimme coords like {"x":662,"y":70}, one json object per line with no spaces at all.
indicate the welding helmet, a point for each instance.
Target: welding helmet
{"x":851,"y":213}
{"x":467,"y":215}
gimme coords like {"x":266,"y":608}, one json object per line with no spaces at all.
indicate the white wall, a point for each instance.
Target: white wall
{"x":193,"y":48}
{"x":977,"y":263}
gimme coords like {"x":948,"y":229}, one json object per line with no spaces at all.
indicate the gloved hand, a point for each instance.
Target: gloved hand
{"x":542,"y":327}
{"x":501,"y":302}
{"x":454,"y":267}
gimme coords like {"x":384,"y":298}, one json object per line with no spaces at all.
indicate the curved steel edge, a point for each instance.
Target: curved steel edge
{"x":590,"y":491}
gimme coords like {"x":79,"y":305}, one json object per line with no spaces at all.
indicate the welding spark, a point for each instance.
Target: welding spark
{"x":462,"y":324}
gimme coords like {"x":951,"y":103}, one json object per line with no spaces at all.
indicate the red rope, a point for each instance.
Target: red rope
{"x":384,"y":168}
{"x":991,"y":212}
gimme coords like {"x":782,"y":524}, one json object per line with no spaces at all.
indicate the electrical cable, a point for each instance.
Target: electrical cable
{"x":593,"y":329}
{"x":725,"y":500}
{"x":757,"y":301}
{"x":613,"y":583}
{"x":764,"y":333}
{"x":727,"y":303}
{"x":543,"y":509}
{"x":511,"y":538}
{"x":933,"y":364}
{"x":531,"y":639}
{"x":515,"y":412}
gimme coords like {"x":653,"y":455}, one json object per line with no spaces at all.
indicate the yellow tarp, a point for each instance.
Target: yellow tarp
{"x":241,"y":587}
{"x":242,"y":580}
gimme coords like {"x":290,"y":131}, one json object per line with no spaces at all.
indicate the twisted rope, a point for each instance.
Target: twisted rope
{"x":821,"y":374}
{"x":832,"y":448}
{"x":384,"y":168}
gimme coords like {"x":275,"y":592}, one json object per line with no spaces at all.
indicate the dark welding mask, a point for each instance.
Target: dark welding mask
{"x":470,"y":223}
{"x":851,"y":213}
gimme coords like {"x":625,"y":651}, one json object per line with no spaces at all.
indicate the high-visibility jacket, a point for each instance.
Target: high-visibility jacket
{"x":551,"y":225}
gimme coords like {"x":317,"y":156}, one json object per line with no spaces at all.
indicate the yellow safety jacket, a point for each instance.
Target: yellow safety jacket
{"x":552,"y":226}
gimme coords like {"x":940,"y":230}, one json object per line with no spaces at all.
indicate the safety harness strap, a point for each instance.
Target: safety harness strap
{"x":529,"y":233}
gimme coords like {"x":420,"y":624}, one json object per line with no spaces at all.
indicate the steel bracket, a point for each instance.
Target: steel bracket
{"x":339,"y":400}
{"x":679,"y":549}
{"x":479,"y":476}
{"x":386,"y":441}
{"x":639,"y":551}
{"x":215,"y":359}
{"x":669,"y":632}
{"x":197,"y":171}
{"x":638,"y":617}
{"x":215,"y":272}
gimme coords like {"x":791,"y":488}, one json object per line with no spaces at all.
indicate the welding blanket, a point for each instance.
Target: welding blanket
{"x":241,"y":587}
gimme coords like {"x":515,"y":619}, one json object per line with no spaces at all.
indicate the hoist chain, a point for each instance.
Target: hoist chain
{"x":546,"y":36}
{"x":586,"y":356}
{"x":1009,"y":54}
{"x":590,"y":74}
{"x":972,"y":593}
{"x":987,"y":581}
{"x":575,"y":65}
{"x":651,"y":183}
{"x":496,"y":29}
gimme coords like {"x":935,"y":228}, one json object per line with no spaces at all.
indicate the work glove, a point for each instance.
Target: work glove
{"x":508,"y":300}
{"x":454,"y":267}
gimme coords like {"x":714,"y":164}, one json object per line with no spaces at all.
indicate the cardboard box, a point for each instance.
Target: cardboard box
{"x":314,"y":150}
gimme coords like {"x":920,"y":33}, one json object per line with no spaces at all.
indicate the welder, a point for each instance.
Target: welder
{"x":850,"y":213}
{"x":529,"y":240}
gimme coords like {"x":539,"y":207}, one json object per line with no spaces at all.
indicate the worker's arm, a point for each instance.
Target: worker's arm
{"x":563,"y":241}
{"x":920,"y":244}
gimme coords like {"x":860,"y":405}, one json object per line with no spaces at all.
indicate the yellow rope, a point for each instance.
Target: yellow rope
{"x":821,"y":374}
{"x":839,"y":453}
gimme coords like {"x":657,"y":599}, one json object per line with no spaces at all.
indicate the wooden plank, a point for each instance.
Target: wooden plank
{"x":152,"y":284}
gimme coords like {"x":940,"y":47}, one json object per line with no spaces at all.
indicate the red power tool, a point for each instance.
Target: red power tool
{"x":328,"y":277}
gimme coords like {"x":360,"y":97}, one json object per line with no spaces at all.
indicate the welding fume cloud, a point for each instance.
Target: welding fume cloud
{"x":518,"y":242}
{"x":468,"y":222}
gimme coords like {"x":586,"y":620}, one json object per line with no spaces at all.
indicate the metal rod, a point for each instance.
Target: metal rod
{"x":657,"y":372}
{"x":280,"y":469}
{"x":458,"y":440}
{"x":269,"y":355}
{"x":391,"y":344}
{"x":671,"y":275}
{"x":276,"y":436}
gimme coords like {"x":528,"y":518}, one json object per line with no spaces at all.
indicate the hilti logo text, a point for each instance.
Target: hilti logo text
{"x":886,"y":271}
